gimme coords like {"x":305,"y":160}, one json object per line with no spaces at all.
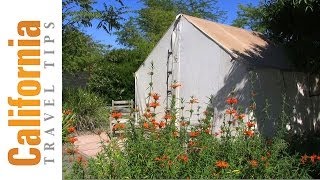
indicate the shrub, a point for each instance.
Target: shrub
{"x":91,"y":111}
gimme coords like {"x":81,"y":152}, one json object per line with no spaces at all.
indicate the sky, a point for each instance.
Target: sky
{"x":230,"y":6}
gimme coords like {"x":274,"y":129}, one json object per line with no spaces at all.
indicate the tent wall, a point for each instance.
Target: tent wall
{"x":159,"y":57}
{"x":204,"y":68}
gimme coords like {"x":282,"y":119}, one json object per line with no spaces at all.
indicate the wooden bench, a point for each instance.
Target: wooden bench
{"x":125,"y":108}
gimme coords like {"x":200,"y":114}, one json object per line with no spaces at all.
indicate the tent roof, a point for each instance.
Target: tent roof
{"x":234,"y":40}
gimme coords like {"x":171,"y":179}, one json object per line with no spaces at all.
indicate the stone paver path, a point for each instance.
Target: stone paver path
{"x":90,"y":145}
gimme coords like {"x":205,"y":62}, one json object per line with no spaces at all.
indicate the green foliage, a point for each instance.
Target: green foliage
{"x":249,"y":17}
{"x":68,"y":119}
{"x":292,"y":23}
{"x":149,"y":153}
{"x":113,"y":77}
{"x":79,"y":51}
{"x":90,"y":109}
{"x":83,"y":12}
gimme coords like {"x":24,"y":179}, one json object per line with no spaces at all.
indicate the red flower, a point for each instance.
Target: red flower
{"x":232,"y":100}
{"x":249,"y":133}
{"x":162,"y":124}
{"x":73,"y":139}
{"x":116,"y":115}
{"x":313,"y":158}
{"x":145,"y":125}
{"x":231,"y":111}
{"x":222,"y":164}
{"x":253,"y":163}
{"x":194,"y":134}
{"x":154,"y":104}
{"x":239,"y":116}
{"x":250,"y":124}
{"x":155,"y":96}
{"x":71,"y":129}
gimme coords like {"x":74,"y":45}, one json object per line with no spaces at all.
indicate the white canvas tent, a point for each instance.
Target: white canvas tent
{"x":211,"y":60}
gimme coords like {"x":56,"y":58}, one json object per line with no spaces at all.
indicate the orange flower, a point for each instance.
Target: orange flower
{"x":194,"y":134}
{"x":184,"y":123}
{"x":147,"y":115}
{"x":207,"y":131}
{"x":145,"y":125}
{"x":263,"y":158}
{"x":250,"y":124}
{"x":191,"y":143}
{"x":154,"y":104}
{"x":304,"y":159}
{"x":231,"y":111}
{"x":155,"y":96}
{"x":118,"y":126}
{"x":167,"y":116}
{"x":80,"y":159}
{"x":232,"y":100}
{"x":67,"y":112}
{"x":175,"y":134}
{"x":183,"y":157}
{"x":249,"y":133}
{"x":193,"y":100}
{"x":162,"y":124}
{"x":313,"y":158}
{"x":73,"y":139}
{"x":71,"y":151}
{"x":253,"y":163}
{"x":239,"y":116}
{"x":175,"y":85}
{"x":116,"y":115}
{"x":71,"y":129}
{"x":222,"y":164}
{"x":268,"y":154}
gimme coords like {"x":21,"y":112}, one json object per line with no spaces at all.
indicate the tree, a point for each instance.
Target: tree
{"x":293,"y":23}
{"x":79,"y":51}
{"x":83,"y":12}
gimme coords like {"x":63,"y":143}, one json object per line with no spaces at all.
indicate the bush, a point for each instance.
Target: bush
{"x":165,"y":151}
{"x":113,"y":81}
{"x":90,"y":109}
